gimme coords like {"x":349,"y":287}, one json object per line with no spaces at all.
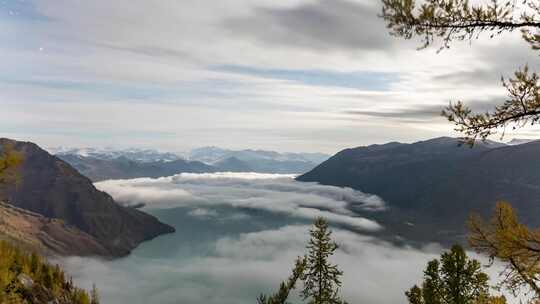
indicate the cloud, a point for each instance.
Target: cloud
{"x":320,"y":25}
{"x":476,"y":77}
{"x":425,"y":113}
{"x":428,"y":113}
{"x":203,"y":213}
{"x":274,"y":193}
{"x":144,"y":73}
{"x":364,"y":80}
{"x":226,"y":250}
{"x":240,"y":266}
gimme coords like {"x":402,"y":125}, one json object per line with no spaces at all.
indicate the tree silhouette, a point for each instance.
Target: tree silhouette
{"x":320,"y":278}
{"x":459,"y":20}
{"x":506,"y":239}
{"x":451,"y":280}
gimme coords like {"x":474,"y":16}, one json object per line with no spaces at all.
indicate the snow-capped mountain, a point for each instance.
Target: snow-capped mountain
{"x":257,"y":160}
{"x":109,"y":163}
{"x":213,"y":155}
{"x":134,"y":154}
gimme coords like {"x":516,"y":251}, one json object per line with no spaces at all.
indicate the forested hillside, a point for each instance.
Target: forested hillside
{"x":28,"y":278}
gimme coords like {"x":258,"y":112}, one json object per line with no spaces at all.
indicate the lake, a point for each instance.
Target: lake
{"x":238,"y":235}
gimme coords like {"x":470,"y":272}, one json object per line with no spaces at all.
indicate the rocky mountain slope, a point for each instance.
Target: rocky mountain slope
{"x":44,"y":235}
{"x":52,"y":188}
{"x":432,"y":186}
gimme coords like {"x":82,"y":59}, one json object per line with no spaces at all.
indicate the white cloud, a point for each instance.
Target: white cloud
{"x":242,"y":266}
{"x":203,"y":213}
{"x":270,"y":192}
{"x":220,"y":254}
{"x":143,"y":74}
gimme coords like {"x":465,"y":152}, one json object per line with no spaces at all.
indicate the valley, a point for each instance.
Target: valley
{"x":270,"y":152}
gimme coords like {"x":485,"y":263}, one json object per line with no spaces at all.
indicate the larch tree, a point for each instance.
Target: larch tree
{"x":286,"y":287}
{"x":94,"y":295}
{"x":451,"y":20}
{"x":321,"y":278}
{"x":518,"y":247}
{"x":9,"y":161}
{"x":503,"y":237}
{"x":454,"y":279}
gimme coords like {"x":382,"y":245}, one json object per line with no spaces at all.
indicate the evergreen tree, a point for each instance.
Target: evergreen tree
{"x":94,"y":295}
{"x":321,"y":278}
{"x":285,"y":287}
{"x":449,"y":20}
{"x":49,"y":284}
{"x":454,"y":279}
{"x":46,"y":276}
{"x":34,"y":263}
{"x":10,"y":160}
{"x":414,"y":295}
{"x":16,"y":266}
{"x":432,"y":283}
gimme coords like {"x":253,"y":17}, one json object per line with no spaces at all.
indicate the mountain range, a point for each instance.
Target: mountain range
{"x":98,"y":169}
{"x":52,"y":189}
{"x":432,"y":186}
{"x":102,"y":164}
{"x":134,"y":154}
{"x":257,"y":160}
{"x":519,"y":141}
{"x":214,"y":154}
{"x":429,"y":186}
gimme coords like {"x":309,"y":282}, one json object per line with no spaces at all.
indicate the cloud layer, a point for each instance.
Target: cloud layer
{"x":238,"y":234}
{"x":239,"y":267}
{"x":302,"y":75}
{"x":274,"y":193}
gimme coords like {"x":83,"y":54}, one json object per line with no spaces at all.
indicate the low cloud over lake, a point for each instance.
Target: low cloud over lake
{"x":275,"y":193}
{"x":238,"y":236}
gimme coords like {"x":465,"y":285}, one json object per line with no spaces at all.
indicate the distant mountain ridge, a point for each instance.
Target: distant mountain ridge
{"x":124,"y":168}
{"x":102,"y":164}
{"x":435,"y":184}
{"x":261,"y":161}
{"x":133,"y":154}
{"x":52,"y":188}
{"x":211,"y":155}
{"x":519,"y":141}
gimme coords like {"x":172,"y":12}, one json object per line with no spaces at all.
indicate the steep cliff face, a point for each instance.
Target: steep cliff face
{"x":52,"y":188}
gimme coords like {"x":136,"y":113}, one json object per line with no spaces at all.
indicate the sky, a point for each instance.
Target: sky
{"x":297,"y":75}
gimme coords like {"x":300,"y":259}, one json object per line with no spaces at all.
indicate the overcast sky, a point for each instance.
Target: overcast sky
{"x":296,"y":75}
